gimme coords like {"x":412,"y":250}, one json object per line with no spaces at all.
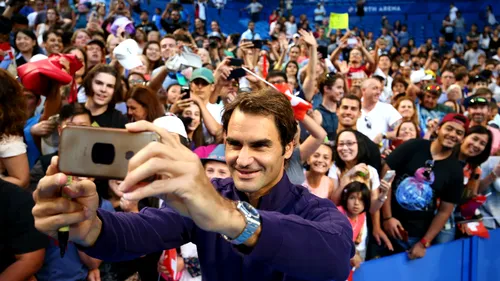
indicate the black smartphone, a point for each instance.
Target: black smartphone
{"x":235,"y":62}
{"x":257,"y":44}
{"x":236,"y":74}
{"x":186,"y":92}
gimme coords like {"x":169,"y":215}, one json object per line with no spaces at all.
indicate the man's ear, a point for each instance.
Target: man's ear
{"x":289,"y":150}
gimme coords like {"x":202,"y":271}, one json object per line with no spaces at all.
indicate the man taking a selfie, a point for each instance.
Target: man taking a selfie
{"x":256,"y":225}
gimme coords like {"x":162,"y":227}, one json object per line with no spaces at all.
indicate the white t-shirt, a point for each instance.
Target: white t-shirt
{"x":11,"y":146}
{"x":255,"y":7}
{"x":374,"y":178}
{"x":201,"y":11}
{"x":31,"y":19}
{"x":216,"y":110}
{"x":453,"y":13}
{"x":319,"y":13}
{"x":291,"y":29}
{"x":378,"y":121}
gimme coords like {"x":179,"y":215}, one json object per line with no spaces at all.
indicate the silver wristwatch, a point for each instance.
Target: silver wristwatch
{"x":252,"y":218}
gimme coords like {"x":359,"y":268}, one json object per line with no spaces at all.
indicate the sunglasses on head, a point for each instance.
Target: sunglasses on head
{"x":433,"y":88}
{"x":478,"y":100}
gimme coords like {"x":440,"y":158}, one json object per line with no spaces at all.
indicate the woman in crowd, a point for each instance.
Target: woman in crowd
{"x":406,"y":107}
{"x":191,"y":115}
{"x":350,"y":158}
{"x":454,"y":95}
{"x":80,"y":38}
{"x":80,"y":74}
{"x":13,"y":158}
{"x":140,"y":38}
{"x":143,"y":104}
{"x":53,"y":20}
{"x":152,"y":53}
{"x":473,"y":151}
{"x":172,"y":95}
{"x":26,"y":46}
{"x":292,"y":69}
{"x":317,"y":181}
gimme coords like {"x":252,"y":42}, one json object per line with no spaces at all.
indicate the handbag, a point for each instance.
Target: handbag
{"x":36,"y":76}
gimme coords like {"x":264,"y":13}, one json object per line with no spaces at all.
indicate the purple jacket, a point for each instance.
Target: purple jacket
{"x":303,"y":237}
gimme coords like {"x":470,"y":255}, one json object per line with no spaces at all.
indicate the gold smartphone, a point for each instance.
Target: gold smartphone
{"x":99,"y":152}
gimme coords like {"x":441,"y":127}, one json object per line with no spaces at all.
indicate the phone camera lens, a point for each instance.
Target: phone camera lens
{"x":129,"y":154}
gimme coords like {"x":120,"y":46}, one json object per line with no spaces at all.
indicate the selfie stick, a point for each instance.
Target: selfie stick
{"x":63,"y":232}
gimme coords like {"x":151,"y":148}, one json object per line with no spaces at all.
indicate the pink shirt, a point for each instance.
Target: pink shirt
{"x":357,"y":223}
{"x":495,"y":144}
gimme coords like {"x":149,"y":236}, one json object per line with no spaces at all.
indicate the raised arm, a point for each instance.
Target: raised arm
{"x":308,"y":86}
{"x":314,"y":140}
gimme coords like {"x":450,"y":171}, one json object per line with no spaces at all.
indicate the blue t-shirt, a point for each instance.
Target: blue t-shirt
{"x":32,"y":150}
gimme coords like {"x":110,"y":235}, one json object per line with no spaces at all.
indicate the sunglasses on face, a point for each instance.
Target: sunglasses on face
{"x":368,"y":123}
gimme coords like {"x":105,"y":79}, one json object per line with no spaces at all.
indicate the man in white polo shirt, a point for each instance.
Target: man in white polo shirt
{"x":377,"y":118}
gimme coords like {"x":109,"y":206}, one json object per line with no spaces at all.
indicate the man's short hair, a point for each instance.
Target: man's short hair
{"x":52,"y":31}
{"x":168,"y":36}
{"x":276,"y":73}
{"x":265,"y":102}
{"x":351,"y":97}
{"x":71,"y":110}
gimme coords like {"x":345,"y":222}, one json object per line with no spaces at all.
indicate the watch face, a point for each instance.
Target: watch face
{"x":250,"y":209}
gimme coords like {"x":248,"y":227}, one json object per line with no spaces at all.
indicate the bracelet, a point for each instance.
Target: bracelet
{"x":386,"y":219}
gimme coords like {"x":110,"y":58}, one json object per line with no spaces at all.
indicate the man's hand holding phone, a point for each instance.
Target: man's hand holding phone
{"x":52,"y":211}
{"x":181,"y":182}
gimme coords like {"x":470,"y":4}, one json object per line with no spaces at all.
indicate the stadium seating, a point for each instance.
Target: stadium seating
{"x":424,"y":18}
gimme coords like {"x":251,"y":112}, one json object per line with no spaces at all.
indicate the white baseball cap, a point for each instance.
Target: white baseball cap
{"x":127,"y":53}
{"x":171,"y":123}
{"x":419,"y":76}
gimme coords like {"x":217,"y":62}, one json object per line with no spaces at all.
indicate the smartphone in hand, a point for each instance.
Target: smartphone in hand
{"x":389,"y":176}
{"x":100,"y":152}
{"x":186,"y":92}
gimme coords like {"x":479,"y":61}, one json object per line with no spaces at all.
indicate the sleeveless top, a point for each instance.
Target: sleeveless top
{"x":322,"y":190}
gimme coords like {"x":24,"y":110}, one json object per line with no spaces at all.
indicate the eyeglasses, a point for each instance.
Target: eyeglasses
{"x":348,"y":144}
{"x":433,"y":88}
{"x":368,"y":123}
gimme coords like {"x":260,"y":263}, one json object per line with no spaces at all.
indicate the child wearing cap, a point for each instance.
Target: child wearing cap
{"x":215,"y":164}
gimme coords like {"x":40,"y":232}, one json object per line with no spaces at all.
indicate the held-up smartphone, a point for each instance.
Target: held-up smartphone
{"x":186,"y":92}
{"x":257,"y":44}
{"x":99,"y":152}
{"x":235,"y":62}
{"x":389,"y":175}
{"x":236,"y":74}
{"x":352,"y":41}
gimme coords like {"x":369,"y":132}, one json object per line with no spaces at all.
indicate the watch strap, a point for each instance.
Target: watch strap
{"x":426,"y":243}
{"x":252,"y":224}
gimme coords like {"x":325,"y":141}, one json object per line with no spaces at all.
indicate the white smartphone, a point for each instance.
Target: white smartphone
{"x":389,"y":175}
{"x":352,"y":41}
